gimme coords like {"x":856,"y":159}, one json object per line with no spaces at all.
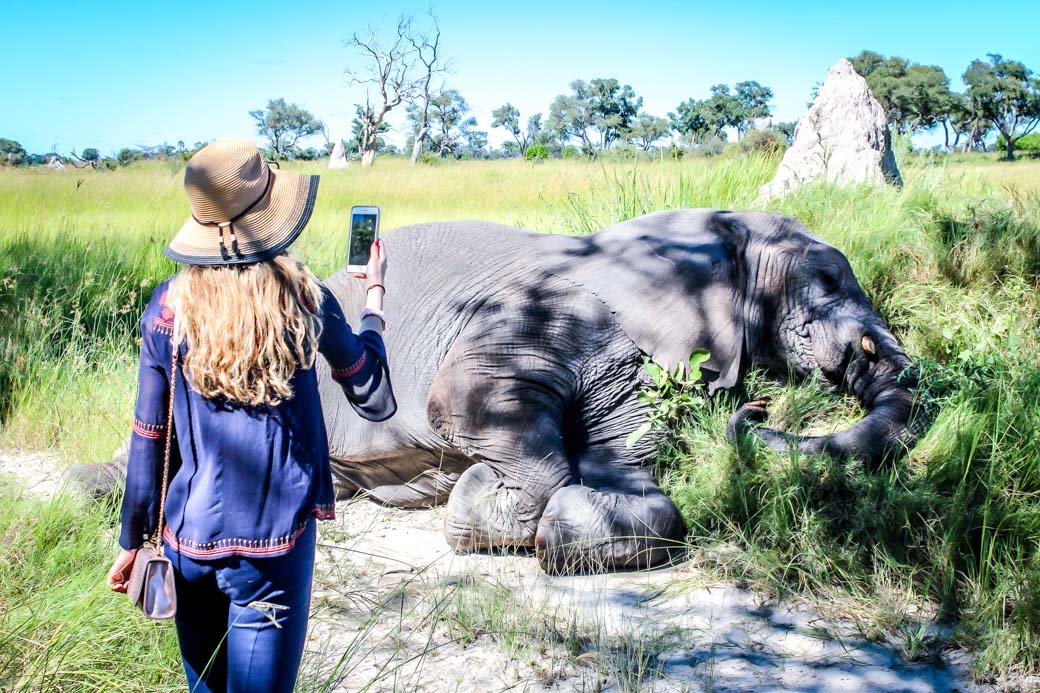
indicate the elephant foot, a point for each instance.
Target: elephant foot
{"x":485,"y":514}
{"x":587,"y":531}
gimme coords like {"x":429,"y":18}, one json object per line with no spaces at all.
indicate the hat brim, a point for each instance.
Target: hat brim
{"x":263,"y":232}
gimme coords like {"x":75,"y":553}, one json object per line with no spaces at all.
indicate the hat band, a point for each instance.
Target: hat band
{"x":230,"y":222}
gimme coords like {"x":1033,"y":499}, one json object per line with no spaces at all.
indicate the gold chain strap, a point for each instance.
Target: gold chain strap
{"x":157,"y":538}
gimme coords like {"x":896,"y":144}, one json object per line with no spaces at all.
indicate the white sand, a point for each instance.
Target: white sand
{"x":395,"y":609}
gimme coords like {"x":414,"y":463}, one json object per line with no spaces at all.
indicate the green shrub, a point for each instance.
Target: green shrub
{"x":768,"y":142}
{"x":11,"y":153}
{"x":710,"y":145}
{"x":1029,"y":143}
{"x":129,"y":156}
{"x":537,"y":152}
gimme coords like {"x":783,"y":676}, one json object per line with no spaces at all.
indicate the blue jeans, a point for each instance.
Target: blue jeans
{"x":241,"y":621}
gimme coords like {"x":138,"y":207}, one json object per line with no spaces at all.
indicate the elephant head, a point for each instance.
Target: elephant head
{"x":754,"y":289}
{"x":813,"y":317}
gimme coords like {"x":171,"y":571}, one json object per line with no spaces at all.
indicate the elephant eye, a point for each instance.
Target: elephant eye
{"x":829,"y":280}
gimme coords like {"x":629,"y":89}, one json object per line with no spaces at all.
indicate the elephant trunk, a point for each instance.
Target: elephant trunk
{"x":880,"y":376}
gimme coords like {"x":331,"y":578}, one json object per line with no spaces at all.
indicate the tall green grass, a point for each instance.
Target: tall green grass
{"x":951,"y":261}
{"x":61,"y":629}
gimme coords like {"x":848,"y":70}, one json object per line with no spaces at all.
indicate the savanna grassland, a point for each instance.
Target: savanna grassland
{"x":952,"y":261}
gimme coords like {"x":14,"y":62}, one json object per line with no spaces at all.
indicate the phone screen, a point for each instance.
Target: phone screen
{"x":362,"y":234}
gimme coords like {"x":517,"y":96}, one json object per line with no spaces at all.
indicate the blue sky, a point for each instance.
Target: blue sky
{"x":115,"y":74}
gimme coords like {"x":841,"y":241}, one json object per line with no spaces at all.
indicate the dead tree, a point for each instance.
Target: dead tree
{"x":389,"y":75}
{"x":426,"y":47}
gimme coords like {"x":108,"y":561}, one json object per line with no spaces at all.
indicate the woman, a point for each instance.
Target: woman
{"x":249,"y":467}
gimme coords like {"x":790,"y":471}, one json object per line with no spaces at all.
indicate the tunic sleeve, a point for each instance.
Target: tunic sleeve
{"x":358,"y":363}
{"x":148,"y":436}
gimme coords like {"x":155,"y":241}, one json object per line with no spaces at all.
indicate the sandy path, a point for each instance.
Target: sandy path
{"x":395,"y":609}
{"x":386,"y":577}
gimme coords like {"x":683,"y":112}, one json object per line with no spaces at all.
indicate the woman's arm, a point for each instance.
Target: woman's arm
{"x":147,"y":440}
{"x":358,"y":362}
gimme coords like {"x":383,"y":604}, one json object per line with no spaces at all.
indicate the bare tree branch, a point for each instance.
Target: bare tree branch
{"x":394,"y":72}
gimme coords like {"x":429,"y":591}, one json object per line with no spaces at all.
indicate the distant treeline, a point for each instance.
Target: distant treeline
{"x":1002,"y":97}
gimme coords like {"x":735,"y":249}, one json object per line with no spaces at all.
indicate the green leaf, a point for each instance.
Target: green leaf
{"x":635,"y":435}
{"x":698,"y":357}
{"x":655,"y":372}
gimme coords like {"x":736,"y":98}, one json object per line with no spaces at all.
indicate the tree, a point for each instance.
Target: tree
{"x":573,"y":116}
{"x":648,"y":129}
{"x":915,"y":97}
{"x":89,"y":157}
{"x":1005,"y":93}
{"x":960,"y":121}
{"x":283,"y":124}
{"x":426,"y":48}
{"x":450,"y":127}
{"x":689,"y":121}
{"x":129,"y":156}
{"x":699,"y":119}
{"x":722,"y":110}
{"x":614,"y":109}
{"x":786,"y":128}
{"x":595,"y":113}
{"x":507,"y":117}
{"x":752,"y":104}
{"x":357,"y":130}
{"x":475,"y":143}
{"x":11,"y":153}
{"x":391,"y":76}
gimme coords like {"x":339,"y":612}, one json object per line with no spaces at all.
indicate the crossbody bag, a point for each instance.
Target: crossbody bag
{"x":151,"y":586}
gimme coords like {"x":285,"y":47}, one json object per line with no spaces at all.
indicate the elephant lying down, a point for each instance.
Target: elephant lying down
{"x":516,"y":358}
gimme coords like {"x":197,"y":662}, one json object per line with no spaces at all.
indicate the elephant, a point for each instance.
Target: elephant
{"x":516,"y":358}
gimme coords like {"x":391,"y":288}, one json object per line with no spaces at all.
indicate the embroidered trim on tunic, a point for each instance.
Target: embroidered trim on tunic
{"x":244,"y":547}
{"x":325,"y":512}
{"x":235,"y":545}
{"x":163,"y":322}
{"x":147,"y":430}
{"x":343,"y":373}
{"x":161,"y":326}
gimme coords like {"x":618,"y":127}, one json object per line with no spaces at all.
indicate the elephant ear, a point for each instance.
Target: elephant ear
{"x":674,"y":282}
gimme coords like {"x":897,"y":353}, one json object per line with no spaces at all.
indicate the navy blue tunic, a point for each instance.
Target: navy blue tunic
{"x":243,"y":480}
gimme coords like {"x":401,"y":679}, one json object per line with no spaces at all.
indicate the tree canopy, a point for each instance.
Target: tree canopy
{"x":1005,"y":93}
{"x":283,"y":124}
{"x":696,"y":119}
{"x":915,"y":97}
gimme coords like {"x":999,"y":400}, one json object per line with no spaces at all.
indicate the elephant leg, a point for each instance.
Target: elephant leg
{"x":405,"y":478}
{"x":496,"y":503}
{"x":103,"y":480}
{"x":616,"y":519}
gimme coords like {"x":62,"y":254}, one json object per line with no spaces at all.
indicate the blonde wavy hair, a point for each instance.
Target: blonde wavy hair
{"x":247,"y":327}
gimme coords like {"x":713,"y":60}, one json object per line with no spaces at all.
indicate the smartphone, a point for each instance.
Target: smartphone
{"x":364,"y":231}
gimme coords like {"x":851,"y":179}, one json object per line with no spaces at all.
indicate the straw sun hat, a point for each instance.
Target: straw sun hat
{"x":242,"y":210}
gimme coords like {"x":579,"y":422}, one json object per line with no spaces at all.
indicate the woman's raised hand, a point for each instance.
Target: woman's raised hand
{"x":376,"y":264}
{"x":376,"y":267}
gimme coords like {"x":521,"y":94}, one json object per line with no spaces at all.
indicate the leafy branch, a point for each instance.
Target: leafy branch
{"x":672,"y":394}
